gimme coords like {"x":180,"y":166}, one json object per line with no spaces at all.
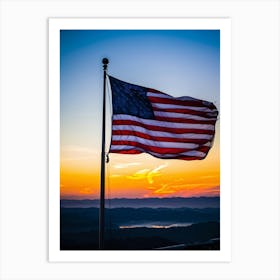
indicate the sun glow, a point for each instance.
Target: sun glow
{"x":138,"y":176}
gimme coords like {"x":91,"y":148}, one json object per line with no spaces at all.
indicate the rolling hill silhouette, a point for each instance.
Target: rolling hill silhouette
{"x":172,"y":202}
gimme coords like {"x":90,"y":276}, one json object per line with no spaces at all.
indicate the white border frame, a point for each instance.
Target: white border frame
{"x":55,"y":25}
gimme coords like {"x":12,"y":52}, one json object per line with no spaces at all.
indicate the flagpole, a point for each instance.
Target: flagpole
{"x":105,"y":62}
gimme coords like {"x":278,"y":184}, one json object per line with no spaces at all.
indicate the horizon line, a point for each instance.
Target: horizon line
{"x":131,"y":198}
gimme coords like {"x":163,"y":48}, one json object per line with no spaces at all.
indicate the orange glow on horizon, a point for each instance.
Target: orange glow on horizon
{"x":137,"y":176}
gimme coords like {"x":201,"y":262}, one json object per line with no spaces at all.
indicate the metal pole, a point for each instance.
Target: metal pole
{"x":105,"y":62}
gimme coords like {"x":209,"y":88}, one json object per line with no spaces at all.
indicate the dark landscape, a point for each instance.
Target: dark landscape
{"x":173,"y":202}
{"x":192,"y":225}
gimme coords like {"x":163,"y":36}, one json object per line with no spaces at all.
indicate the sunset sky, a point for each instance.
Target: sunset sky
{"x":177,"y":62}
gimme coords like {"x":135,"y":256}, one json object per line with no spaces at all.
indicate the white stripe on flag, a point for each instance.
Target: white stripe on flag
{"x":181,"y":98}
{"x":173,"y":106}
{"x":128,"y":147}
{"x":166,"y":96}
{"x":163,"y":123}
{"x":181,"y":116}
{"x":159,"y":144}
{"x":161,"y":133}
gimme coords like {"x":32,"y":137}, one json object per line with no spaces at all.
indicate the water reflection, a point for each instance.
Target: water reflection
{"x":155,"y":225}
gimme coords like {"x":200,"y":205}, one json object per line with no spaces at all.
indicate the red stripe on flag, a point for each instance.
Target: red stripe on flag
{"x":187,"y":111}
{"x":164,"y":129}
{"x":174,"y":156}
{"x":158,"y":149}
{"x":158,"y":138}
{"x":153,"y":90}
{"x":181,"y":120}
{"x":174,"y":101}
{"x":161,"y":156}
{"x":128,"y":152}
{"x":189,"y":158}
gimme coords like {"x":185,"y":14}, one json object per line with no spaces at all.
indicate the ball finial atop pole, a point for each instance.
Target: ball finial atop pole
{"x":105,"y":62}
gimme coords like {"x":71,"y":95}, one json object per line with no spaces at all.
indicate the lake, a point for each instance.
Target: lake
{"x":155,"y":225}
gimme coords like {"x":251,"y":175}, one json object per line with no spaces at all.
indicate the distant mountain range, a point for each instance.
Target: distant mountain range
{"x":173,"y":202}
{"x":86,"y":219}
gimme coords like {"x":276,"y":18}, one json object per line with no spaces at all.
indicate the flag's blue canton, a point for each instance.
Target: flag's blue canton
{"x":130,"y":99}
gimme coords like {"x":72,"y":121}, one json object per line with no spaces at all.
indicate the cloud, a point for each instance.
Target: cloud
{"x":165,"y":189}
{"x":139,"y":175}
{"x":155,"y":173}
{"x":148,"y":174}
{"x":189,"y":187}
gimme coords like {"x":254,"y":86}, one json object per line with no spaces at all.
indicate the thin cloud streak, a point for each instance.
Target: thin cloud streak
{"x":148,"y":174}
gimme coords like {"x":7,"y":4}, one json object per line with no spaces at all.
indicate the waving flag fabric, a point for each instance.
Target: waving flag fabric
{"x":150,"y":121}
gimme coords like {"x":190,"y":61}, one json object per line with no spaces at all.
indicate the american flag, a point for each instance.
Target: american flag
{"x":150,"y":121}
